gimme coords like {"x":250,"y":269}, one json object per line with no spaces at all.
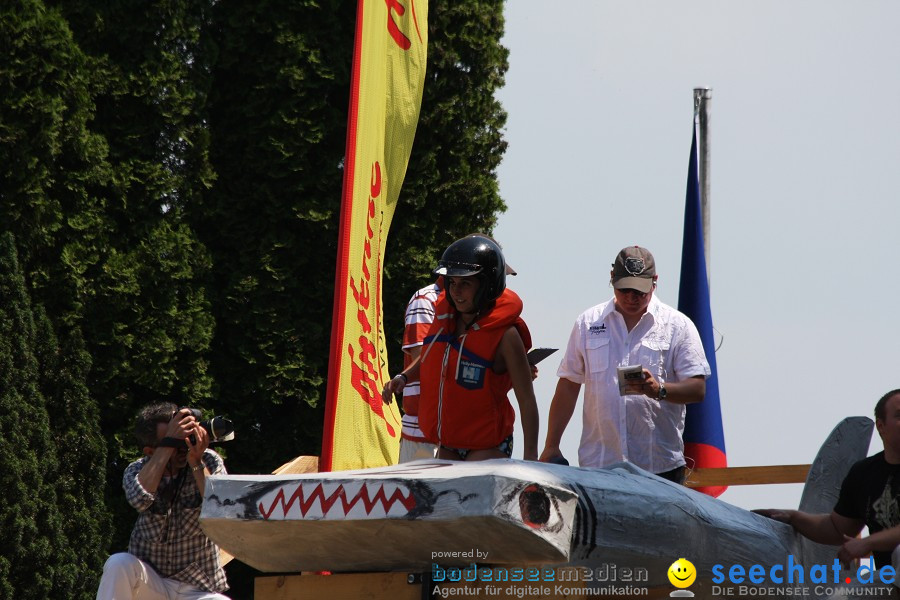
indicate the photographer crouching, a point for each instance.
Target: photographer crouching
{"x":168,"y":556}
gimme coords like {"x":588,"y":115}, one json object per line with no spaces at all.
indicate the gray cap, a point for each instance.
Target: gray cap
{"x":634,"y":269}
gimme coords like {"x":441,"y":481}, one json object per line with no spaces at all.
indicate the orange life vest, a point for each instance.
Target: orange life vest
{"x":463,"y":402}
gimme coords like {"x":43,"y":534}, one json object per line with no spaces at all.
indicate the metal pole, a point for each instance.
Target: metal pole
{"x":702,"y":100}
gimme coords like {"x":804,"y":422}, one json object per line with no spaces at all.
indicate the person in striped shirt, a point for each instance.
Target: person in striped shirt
{"x":419,"y":316}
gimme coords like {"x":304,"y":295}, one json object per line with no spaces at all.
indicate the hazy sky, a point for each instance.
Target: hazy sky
{"x":805,"y":178}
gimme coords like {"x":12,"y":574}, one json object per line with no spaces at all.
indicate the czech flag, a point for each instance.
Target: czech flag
{"x":704,"y":440}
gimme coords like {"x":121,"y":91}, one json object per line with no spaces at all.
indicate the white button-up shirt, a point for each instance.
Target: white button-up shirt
{"x":636,"y":428}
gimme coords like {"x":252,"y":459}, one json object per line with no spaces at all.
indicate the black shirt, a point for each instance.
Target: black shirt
{"x":871,"y":493}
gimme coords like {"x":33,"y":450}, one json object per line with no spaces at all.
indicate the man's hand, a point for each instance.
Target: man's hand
{"x":777,"y":514}
{"x":824,"y":528}
{"x":181,"y":425}
{"x":394,"y":386}
{"x":649,"y":386}
{"x":852,"y":549}
{"x":197,"y":447}
{"x":549,"y":453}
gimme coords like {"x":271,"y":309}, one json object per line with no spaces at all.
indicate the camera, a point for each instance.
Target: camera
{"x":219,"y":429}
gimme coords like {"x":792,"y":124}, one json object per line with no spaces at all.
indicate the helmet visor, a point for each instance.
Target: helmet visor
{"x":457,"y":269}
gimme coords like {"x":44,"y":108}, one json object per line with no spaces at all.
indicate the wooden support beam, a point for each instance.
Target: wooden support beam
{"x":696,"y":478}
{"x":359,"y":586}
{"x":747,"y":475}
{"x":298,"y":466}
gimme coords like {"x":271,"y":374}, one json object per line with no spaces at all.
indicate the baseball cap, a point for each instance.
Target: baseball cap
{"x":634,"y":269}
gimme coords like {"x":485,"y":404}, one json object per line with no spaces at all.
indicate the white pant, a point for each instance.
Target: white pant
{"x":126,"y":577}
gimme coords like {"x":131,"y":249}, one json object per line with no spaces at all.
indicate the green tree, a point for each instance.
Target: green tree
{"x":174,"y":169}
{"x":32,"y":556}
{"x":50,"y":161}
{"x":451,"y":185}
{"x":145,"y":317}
{"x":278,"y":130}
{"x":270,"y":222}
{"x":81,"y":459}
{"x":142,"y":305}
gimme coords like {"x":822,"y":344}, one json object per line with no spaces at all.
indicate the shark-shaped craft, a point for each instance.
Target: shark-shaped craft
{"x":413,"y":516}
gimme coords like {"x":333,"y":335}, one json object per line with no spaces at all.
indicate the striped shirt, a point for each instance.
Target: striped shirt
{"x":167,"y":533}
{"x":419,"y":316}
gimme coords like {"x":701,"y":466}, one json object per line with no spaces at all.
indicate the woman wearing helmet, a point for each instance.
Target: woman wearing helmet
{"x":475,"y":352}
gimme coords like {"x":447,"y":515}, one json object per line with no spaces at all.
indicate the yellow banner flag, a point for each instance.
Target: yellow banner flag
{"x":386,"y":94}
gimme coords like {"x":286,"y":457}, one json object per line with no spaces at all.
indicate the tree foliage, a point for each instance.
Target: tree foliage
{"x":79,"y":476}
{"x":29,"y":506}
{"x":140,"y":271}
{"x":50,"y":468}
{"x":451,"y":185}
{"x":172,"y":170}
{"x":278,"y":128}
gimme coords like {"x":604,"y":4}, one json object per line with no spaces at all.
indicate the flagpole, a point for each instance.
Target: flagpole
{"x":704,"y":438}
{"x":702,"y":100}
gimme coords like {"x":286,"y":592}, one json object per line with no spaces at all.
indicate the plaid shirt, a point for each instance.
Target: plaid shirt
{"x":167,"y":534}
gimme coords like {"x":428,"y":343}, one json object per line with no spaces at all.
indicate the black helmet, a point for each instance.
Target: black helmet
{"x":475,"y":255}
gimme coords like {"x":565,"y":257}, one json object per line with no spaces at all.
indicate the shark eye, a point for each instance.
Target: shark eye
{"x":534,"y":505}
{"x":537,"y":507}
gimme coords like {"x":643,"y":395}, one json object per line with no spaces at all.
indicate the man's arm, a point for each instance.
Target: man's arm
{"x":689,"y":368}
{"x":883,"y":541}
{"x":689,"y":391}
{"x":180,"y":428}
{"x":153,"y":470}
{"x":512,"y":351}
{"x":398,"y":382}
{"x":417,"y":320}
{"x":832,"y":528}
{"x":196,"y":450}
{"x":561,"y":409}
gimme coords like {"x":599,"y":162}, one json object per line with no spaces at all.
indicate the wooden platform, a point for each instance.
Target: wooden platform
{"x":728,"y":476}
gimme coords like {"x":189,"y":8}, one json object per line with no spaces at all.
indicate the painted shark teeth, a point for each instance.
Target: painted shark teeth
{"x":337,"y":500}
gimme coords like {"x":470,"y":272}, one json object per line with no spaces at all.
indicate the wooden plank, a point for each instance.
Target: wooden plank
{"x":359,"y":586}
{"x":747,"y":475}
{"x":224,"y":557}
{"x":696,"y":478}
{"x":299,"y":466}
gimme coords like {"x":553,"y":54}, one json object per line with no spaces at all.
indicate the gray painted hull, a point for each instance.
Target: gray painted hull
{"x":500,"y":512}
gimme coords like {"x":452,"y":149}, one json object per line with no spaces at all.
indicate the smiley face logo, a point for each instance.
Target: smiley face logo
{"x":682,"y":573}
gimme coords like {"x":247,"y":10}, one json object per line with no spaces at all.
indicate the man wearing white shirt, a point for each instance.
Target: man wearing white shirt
{"x":634,"y":328}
